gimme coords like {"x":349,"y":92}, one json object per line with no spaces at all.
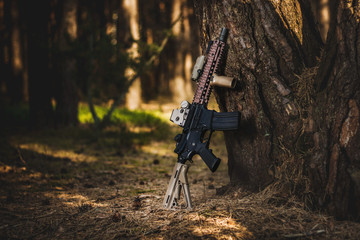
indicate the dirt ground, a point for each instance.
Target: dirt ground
{"x":70,"y":184}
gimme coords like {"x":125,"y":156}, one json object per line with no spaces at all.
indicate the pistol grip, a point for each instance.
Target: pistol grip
{"x":208,"y":157}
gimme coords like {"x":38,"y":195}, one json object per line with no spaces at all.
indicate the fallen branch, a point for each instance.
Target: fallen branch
{"x":46,"y":215}
{"x":297,"y":235}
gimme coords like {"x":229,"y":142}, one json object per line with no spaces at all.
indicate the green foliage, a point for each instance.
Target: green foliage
{"x":102,"y":68}
{"x":134,"y":126}
{"x":103,"y":64}
{"x":141,"y":118}
{"x":126,"y":127}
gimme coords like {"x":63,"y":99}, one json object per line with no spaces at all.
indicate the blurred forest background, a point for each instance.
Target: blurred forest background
{"x":58,"y":58}
{"x":86,"y":91}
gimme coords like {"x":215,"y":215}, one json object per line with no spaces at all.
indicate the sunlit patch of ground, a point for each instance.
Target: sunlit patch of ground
{"x":44,"y":149}
{"x":76,"y":184}
{"x":221,"y":228}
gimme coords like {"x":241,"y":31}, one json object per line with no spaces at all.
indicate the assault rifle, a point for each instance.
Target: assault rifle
{"x":198,"y":122}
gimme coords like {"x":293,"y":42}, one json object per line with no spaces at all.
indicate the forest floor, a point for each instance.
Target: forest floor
{"x":77,"y":183}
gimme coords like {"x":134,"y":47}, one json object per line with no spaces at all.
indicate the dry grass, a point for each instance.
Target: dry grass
{"x":305,"y":87}
{"x":97,"y":190}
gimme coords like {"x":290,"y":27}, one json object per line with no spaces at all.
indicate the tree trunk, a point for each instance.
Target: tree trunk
{"x":322,"y":16}
{"x":5,"y":66}
{"x":66,"y":92}
{"x":154,"y":18}
{"x":170,"y":75}
{"x":300,"y":112}
{"x":133,"y":97}
{"x":40,"y":84}
{"x":181,"y":61}
{"x":16,"y":82}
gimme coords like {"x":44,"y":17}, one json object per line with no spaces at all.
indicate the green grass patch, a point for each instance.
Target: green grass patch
{"x":127,"y":130}
{"x":13,"y":115}
{"x":128,"y":126}
{"x":122,"y":115}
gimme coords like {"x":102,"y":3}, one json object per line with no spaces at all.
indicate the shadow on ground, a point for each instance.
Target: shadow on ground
{"x":77,"y":184}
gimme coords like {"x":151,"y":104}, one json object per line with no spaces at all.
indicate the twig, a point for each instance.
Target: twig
{"x":297,"y":235}
{"x":4,"y":226}
{"x":113,"y":197}
{"x":20,"y":155}
{"x":47,"y":214}
{"x":155,"y":230}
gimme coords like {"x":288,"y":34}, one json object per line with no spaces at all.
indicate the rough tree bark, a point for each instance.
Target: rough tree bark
{"x":299,"y":99}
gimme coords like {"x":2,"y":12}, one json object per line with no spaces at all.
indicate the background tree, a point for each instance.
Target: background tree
{"x":154,"y":19}
{"x":36,"y":17}
{"x":65,"y":66}
{"x":5,"y":25}
{"x":299,"y":99}
{"x":14,"y":81}
{"x":17,"y":84}
{"x":66,"y":52}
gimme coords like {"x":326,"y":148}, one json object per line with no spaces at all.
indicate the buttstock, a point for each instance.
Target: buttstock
{"x":178,"y":180}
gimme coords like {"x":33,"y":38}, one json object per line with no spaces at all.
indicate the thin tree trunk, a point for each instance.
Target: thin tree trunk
{"x":133,"y":97}
{"x":322,"y":16}
{"x":180,"y":83}
{"x":170,"y":76}
{"x":295,"y":130}
{"x":67,"y":92}
{"x":40,"y":84}
{"x":151,"y":19}
{"x":5,"y":67}
{"x":16,"y":82}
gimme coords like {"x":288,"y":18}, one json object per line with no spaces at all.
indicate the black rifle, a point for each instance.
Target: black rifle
{"x":198,"y":122}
